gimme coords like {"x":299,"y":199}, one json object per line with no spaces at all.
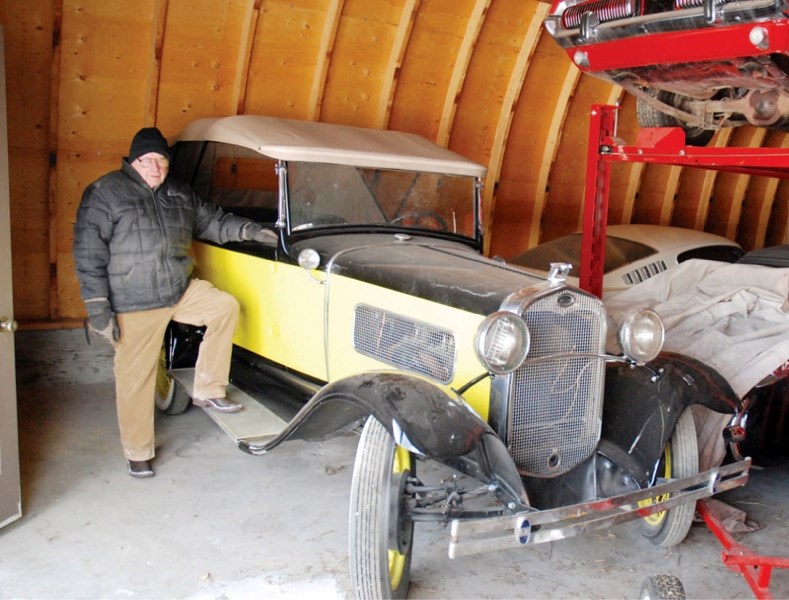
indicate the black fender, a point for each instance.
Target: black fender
{"x":643,"y":404}
{"x":423,"y":418}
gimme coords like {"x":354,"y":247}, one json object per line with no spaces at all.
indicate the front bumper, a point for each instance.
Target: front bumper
{"x":538,"y":526}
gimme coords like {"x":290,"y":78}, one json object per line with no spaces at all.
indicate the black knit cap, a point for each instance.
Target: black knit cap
{"x":148,"y":139}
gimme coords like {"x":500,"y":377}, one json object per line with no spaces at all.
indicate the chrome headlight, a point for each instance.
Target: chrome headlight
{"x":641,"y":335}
{"x":502,"y":342}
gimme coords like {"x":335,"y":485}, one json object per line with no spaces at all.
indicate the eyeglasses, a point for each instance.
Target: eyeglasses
{"x":149,"y":162}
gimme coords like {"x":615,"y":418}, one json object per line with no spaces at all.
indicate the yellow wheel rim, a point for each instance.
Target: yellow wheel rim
{"x":401,"y":463}
{"x":656,"y":518}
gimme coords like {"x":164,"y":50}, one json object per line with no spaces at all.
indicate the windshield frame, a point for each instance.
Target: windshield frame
{"x":363,"y":181}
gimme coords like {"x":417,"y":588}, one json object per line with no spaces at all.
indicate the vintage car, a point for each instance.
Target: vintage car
{"x":485,"y":395}
{"x":633,"y":253}
{"x":697,"y":64}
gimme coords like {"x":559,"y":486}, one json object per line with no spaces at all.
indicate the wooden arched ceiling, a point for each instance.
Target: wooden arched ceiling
{"x":478,"y":76}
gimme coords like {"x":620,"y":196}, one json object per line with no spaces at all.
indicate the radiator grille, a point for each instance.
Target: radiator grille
{"x":404,"y":343}
{"x":605,"y":10}
{"x":556,"y":404}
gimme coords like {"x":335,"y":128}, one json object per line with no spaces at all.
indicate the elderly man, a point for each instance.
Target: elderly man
{"x":132,"y":235}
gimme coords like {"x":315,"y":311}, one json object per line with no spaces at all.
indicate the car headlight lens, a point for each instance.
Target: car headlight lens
{"x":641,"y":335}
{"x":502,"y":342}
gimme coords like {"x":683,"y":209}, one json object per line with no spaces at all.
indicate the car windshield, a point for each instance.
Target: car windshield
{"x":618,"y":252}
{"x":328,"y":195}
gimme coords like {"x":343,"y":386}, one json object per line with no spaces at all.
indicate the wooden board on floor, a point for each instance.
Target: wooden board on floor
{"x":254,"y":421}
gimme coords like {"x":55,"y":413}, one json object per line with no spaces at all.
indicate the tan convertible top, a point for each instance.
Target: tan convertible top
{"x":309,"y":141}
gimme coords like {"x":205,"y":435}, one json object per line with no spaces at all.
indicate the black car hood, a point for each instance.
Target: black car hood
{"x":441,"y":271}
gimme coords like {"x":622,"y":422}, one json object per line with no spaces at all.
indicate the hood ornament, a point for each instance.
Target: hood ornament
{"x":558,"y":273}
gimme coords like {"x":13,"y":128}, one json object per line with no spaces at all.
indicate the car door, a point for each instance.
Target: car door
{"x":282,"y":305}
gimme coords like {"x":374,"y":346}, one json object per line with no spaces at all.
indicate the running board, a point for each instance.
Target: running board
{"x":255,"y":421}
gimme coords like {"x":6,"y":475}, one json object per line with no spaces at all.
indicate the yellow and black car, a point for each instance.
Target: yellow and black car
{"x":376,"y":309}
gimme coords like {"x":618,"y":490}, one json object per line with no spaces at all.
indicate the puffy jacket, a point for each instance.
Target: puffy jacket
{"x":131,"y":243}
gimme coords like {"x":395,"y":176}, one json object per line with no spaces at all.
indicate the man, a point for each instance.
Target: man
{"x":132,"y":235}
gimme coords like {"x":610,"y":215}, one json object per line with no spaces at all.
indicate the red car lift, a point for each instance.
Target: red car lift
{"x":663,"y":145}
{"x":667,"y":146}
{"x":756,"y":569}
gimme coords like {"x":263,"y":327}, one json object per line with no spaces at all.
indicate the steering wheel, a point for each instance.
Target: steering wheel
{"x":424,"y":219}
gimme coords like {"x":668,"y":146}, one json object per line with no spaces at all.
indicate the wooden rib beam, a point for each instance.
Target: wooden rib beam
{"x":760,"y":200}
{"x":395,"y":61}
{"x":778,"y":224}
{"x":548,"y":154}
{"x":327,"y":38}
{"x":245,"y":45}
{"x":54,"y":129}
{"x":695,"y":190}
{"x":154,"y":73}
{"x":475,"y":21}
{"x":731,"y":188}
{"x":514,"y":87}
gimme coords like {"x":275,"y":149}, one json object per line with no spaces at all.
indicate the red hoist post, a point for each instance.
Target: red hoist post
{"x":660,"y":145}
{"x":602,"y":128}
{"x":666,"y":145}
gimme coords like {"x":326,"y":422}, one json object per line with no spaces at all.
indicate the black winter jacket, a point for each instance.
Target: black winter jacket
{"x":131,"y":243}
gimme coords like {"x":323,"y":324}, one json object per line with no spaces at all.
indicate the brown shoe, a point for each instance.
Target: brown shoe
{"x":140,"y":468}
{"x":218,"y":404}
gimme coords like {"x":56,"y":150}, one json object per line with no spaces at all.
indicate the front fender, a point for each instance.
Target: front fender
{"x":420,"y":416}
{"x":643,"y":404}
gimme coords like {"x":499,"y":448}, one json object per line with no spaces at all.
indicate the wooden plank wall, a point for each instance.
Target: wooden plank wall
{"x":478,"y":76}
{"x":29,"y":141}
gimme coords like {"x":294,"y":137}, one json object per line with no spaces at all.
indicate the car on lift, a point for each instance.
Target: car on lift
{"x":633,"y":253}
{"x":697,"y":64}
{"x":486,"y":398}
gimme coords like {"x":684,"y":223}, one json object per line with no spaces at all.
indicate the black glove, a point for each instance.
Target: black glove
{"x":101,"y":319}
{"x":256,"y":232}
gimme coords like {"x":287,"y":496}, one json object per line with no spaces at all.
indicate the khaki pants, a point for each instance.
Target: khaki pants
{"x":137,"y":359}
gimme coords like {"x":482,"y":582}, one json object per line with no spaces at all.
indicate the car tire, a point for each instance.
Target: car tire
{"x":680,"y":459}
{"x":170,"y":396}
{"x":381,"y":540}
{"x":662,"y":587}
{"x":649,"y":116}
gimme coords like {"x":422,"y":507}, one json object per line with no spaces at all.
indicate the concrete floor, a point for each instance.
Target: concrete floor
{"x":216,"y":523}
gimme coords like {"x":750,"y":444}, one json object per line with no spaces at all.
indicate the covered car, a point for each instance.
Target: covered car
{"x":633,"y":253}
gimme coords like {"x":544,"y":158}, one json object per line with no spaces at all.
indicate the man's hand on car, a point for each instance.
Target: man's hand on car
{"x":256,"y":232}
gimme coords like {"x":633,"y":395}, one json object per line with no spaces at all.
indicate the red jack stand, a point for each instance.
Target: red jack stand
{"x":756,"y":569}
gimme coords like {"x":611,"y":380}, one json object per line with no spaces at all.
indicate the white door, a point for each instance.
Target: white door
{"x":10,"y":493}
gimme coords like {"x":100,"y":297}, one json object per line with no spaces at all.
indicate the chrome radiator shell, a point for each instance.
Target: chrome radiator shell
{"x":554,"y":402}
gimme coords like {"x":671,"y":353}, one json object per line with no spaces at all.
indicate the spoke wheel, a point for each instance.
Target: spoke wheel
{"x":680,"y":459}
{"x":381,"y":539}
{"x":171,"y":397}
{"x":662,"y":587}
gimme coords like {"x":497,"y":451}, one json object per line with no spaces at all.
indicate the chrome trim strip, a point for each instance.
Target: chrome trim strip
{"x":536,"y":527}
{"x":282,"y":193}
